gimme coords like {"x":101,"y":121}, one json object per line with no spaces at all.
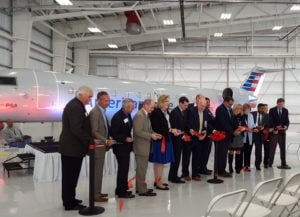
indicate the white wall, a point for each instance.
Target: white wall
{"x":5,"y":44}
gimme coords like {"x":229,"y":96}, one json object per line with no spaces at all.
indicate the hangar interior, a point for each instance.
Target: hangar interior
{"x":206,"y":44}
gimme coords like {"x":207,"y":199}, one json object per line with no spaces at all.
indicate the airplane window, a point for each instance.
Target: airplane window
{"x":8,"y":81}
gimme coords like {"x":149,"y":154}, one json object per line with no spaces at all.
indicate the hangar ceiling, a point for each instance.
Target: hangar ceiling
{"x":202,"y":19}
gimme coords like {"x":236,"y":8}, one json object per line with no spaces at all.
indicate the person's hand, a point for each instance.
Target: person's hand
{"x":255,"y":130}
{"x":192,"y":132}
{"x":237,"y":132}
{"x":96,"y":142}
{"x":109,"y":142}
{"x":174,"y":132}
{"x":156,"y":136}
{"x":18,"y":140}
{"x":271,"y":130}
{"x":203,"y":135}
{"x":284,"y":127}
{"x":275,"y":132}
{"x":129,"y":139}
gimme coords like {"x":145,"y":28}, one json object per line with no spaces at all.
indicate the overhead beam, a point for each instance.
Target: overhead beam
{"x":94,"y":24}
{"x":138,"y":16}
{"x":55,"y":30}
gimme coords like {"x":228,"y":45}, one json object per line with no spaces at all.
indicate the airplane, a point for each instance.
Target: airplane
{"x":28,"y":95}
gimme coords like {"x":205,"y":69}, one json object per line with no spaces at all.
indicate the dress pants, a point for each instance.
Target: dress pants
{"x":178,"y":144}
{"x":123,"y":158}
{"x":258,"y":140}
{"x":70,"y":172}
{"x":266,"y":152}
{"x":141,"y":170}
{"x":222,"y":150}
{"x":204,"y":154}
{"x":280,"y":139}
{"x":99,"y":164}
{"x":191,"y":148}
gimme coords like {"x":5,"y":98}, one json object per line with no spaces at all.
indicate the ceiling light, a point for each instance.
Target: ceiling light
{"x":275,"y":28}
{"x":112,"y":45}
{"x":168,"y":22}
{"x":218,"y":34}
{"x":225,"y":16}
{"x":64,"y":2}
{"x":171,"y":39}
{"x":94,"y":29}
{"x":295,"y":8}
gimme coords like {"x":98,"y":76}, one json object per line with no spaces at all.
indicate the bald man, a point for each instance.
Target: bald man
{"x":199,"y":126}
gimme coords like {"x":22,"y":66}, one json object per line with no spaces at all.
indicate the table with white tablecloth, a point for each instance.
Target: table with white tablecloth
{"x":47,"y":166}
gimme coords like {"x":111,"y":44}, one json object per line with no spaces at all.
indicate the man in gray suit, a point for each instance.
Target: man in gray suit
{"x":100,"y":131}
{"x":142,"y":135}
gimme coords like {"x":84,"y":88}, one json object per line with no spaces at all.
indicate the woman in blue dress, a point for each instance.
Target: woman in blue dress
{"x":162,"y":149}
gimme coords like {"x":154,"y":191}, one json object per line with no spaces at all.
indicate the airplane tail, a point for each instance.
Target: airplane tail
{"x":255,"y":79}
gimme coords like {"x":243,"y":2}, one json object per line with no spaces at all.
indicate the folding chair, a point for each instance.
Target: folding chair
{"x":283,"y":199}
{"x":250,"y":209}
{"x":221,"y":202}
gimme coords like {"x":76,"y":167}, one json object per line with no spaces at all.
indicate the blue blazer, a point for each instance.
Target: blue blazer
{"x":193,"y":120}
{"x":275,"y":120}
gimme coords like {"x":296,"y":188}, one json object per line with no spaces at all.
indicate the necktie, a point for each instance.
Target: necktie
{"x":258,"y":120}
{"x":229,"y":113}
{"x":280,"y":113}
{"x":200,"y":121}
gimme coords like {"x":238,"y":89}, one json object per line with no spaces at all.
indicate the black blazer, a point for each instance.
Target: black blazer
{"x":178,"y":119}
{"x":263,"y":120}
{"x":223,"y":122}
{"x":120,"y":129}
{"x":75,"y":136}
{"x":275,"y":120}
{"x":193,"y":120}
{"x":159,"y":122}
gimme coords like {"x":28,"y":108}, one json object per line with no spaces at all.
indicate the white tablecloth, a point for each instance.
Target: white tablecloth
{"x":47,"y":166}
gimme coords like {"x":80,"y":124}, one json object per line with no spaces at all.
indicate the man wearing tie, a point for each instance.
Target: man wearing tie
{"x":260,"y":121}
{"x":177,"y":121}
{"x":100,"y":131}
{"x":120,"y":130}
{"x":224,"y":122}
{"x":197,"y":123}
{"x":278,"y":124}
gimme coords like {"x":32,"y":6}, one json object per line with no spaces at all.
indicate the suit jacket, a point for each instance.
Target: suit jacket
{"x":223,"y":122}
{"x":142,"y":131}
{"x":120,"y":129}
{"x":75,"y":136}
{"x":263,"y":120}
{"x":194,"y":123}
{"x":178,"y":119}
{"x":159,"y":123}
{"x":98,"y":129}
{"x":275,"y":120}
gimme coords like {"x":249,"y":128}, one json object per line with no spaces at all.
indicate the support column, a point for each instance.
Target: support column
{"x":92,"y":65}
{"x":284,"y":77}
{"x":60,"y":46}
{"x":81,"y":61}
{"x":22,"y":26}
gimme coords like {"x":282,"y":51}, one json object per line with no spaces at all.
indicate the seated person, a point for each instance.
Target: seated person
{"x":14,"y":137}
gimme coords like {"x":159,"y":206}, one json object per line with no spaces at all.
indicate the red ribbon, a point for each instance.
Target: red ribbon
{"x":163,"y":144}
{"x":186,"y":137}
{"x":267,"y":133}
{"x":121,"y":204}
{"x":95,"y":146}
{"x":218,"y":136}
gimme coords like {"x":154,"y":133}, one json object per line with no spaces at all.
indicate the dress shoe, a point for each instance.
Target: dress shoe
{"x":148,"y":194}
{"x":75,"y":207}
{"x":196,"y":178}
{"x":270,"y":165}
{"x":177,"y":181}
{"x":266,"y":166}
{"x":101,"y":199}
{"x":165,"y":184}
{"x":258,"y":168}
{"x":76,"y":201}
{"x":103,"y":195}
{"x":187,"y":178}
{"x":284,"y":167}
{"x":225,"y":175}
{"x":126,"y":195}
{"x":165,"y":188}
{"x":210,"y":171}
{"x":148,"y":190}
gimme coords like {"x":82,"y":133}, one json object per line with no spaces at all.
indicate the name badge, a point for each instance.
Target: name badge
{"x":125,"y":120}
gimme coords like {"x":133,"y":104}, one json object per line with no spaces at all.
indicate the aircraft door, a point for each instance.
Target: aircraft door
{"x":47,"y":91}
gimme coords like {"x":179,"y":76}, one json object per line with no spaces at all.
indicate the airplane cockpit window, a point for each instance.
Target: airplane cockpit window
{"x":8,"y":80}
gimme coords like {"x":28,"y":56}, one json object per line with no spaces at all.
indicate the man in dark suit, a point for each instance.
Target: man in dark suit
{"x":120,"y":130}
{"x":266,"y":137}
{"x":74,"y":141}
{"x":197,"y":118}
{"x":177,"y":121}
{"x":278,"y":124}
{"x":260,"y":120}
{"x":224,"y":122}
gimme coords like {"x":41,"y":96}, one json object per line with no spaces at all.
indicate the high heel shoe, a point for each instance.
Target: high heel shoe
{"x":165,"y":188}
{"x":164,"y":184}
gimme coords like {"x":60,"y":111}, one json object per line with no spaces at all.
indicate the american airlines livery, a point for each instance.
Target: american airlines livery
{"x":40,"y":96}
